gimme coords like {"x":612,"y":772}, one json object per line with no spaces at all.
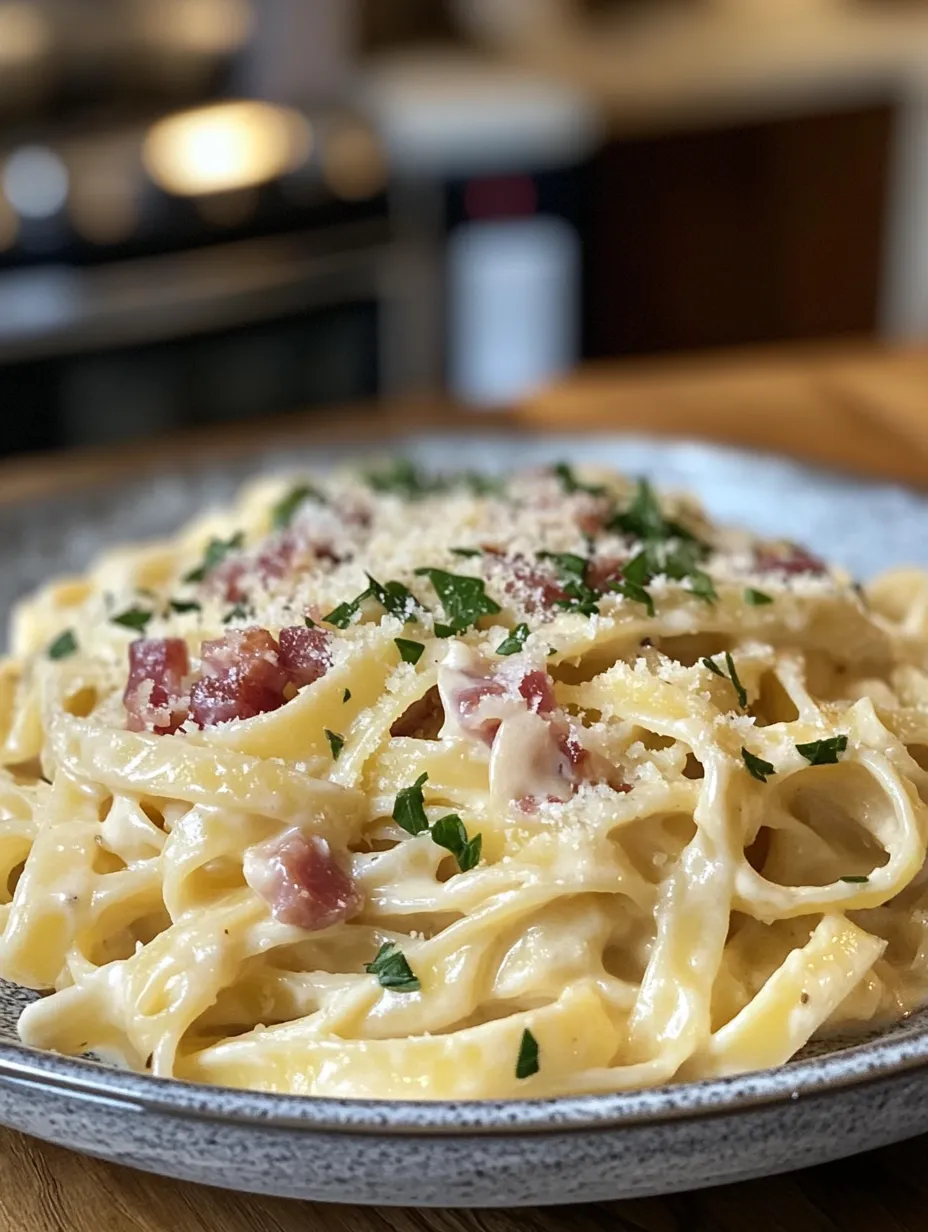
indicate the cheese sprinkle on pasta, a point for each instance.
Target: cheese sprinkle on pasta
{"x":390,"y":785}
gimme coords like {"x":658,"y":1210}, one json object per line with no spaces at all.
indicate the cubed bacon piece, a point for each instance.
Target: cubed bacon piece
{"x":300,"y":879}
{"x":276,"y":559}
{"x":467,"y":703}
{"x":788,"y":558}
{"x":304,"y":654}
{"x":535,"y":587}
{"x":242,"y":677}
{"x":538,"y":692}
{"x":600,"y":574}
{"x":155,"y":696}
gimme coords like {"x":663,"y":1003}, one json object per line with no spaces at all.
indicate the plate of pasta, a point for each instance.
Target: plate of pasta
{"x":455,"y":834}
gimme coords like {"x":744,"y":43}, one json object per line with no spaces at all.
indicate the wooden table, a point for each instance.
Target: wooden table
{"x":862,"y":409}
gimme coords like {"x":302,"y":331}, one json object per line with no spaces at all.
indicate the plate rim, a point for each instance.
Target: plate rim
{"x":854,"y":1066}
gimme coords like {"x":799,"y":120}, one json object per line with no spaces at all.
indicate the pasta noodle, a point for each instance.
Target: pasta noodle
{"x":388,"y":785}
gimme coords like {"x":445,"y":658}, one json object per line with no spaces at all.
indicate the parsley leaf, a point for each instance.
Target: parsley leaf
{"x":336,"y":742}
{"x":309,"y":622}
{"x":480,"y":484}
{"x":568,"y":564}
{"x":392,"y":969}
{"x":732,"y":675}
{"x":756,"y":598}
{"x":854,"y":880}
{"x":410,"y":652}
{"x":65,"y":644}
{"x":283,"y":512}
{"x":409,"y":808}
{"x":449,"y":832}
{"x":184,"y":605}
{"x":216,"y":552}
{"x":463,"y":598}
{"x":235,"y":613}
{"x":514,"y":642}
{"x":394,"y":598}
{"x":644,"y":519}
{"x":702,"y":586}
{"x":527,"y":1062}
{"x":571,"y":484}
{"x":133,"y":618}
{"x":757,"y":767}
{"x":404,"y":478}
{"x":346,"y":696}
{"x":635,"y":592}
{"x":823,"y":752}
{"x":466,"y":552}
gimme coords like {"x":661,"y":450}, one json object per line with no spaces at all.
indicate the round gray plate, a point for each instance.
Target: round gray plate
{"x":824,"y":1105}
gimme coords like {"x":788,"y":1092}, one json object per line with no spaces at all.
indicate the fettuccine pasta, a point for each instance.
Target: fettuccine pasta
{"x":388,"y":785}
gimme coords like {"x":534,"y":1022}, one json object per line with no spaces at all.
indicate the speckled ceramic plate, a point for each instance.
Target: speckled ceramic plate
{"x":825,"y":1104}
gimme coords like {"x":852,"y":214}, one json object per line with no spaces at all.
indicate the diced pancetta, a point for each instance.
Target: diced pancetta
{"x":155,"y":696}
{"x":242,"y":677}
{"x":304,"y":654}
{"x":788,"y":558}
{"x":302,"y":882}
{"x":535,"y":587}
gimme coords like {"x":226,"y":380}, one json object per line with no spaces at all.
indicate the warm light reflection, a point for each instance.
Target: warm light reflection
{"x":226,"y":146}
{"x":9,"y":224}
{"x":24,"y":32}
{"x":352,"y":162}
{"x":210,"y":27}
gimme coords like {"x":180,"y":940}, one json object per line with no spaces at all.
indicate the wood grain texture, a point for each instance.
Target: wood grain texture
{"x":854,"y":407}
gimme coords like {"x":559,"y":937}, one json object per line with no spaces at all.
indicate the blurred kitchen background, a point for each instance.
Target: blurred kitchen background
{"x":213,"y":210}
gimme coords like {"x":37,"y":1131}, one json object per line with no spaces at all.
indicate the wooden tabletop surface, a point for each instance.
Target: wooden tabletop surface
{"x":862,"y":409}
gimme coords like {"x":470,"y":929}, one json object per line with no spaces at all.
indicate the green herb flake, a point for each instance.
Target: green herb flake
{"x":635,"y":592}
{"x":514,"y":642}
{"x":336,"y":742}
{"x":731,"y":675}
{"x":283,"y":512}
{"x":449,"y":832}
{"x":184,"y":605}
{"x":756,"y":598}
{"x":392,"y":969}
{"x":466,"y":552}
{"x":409,"y":808}
{"x":568,"y":564}
{"x":527,"y":1061}
{"x":216,"y":552}
{"x":342,"y":616}
{"x":394,"y":598}
{"x":401,"y":477}
{"x":757,"y":767}
{"x":441,"y":630}
{"x":65,"y":644}
{"x":823,"y":752}
{"x":136,"y":618}
{"x":644,"y":519}
{"x":571,"y":484}
{"x":410,"y":652}
{"x":235,"y":613}
{"x":702,"y":586}
{"x":463,"y":598}
{"x":309,"y":622}
{"x":854,"y":880}
{"x":346,"y":696}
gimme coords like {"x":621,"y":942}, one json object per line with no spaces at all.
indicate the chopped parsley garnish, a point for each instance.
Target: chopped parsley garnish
{"x":404,"y":478}
{"x":133,"y":618}
{"x":346,"y":696}
{"x":581,"y":597}
{"x":731,"y":675}
{"x":184,"y":605}
{"x":235,"y":613}
{"x":466,"y":552}
{"x":283,"y":512}
{"x":216,"y":552}
{"x":449,"y":832}
{"x":464,"y":599}
{"x":634,"y":591}
{"x":480,"y":484}
{"x":514,"y":642}
{"x":756,"y":598}
{"x":309,"y":622}
{"x":65,"y":644}
{"x":336,"y":742}
{"x":392,"y":969}
{"x":823,"y":752}
{"x":854,"y":880}
{"x":527,"y":1061}
{"x":571,"y":484}
{"x":568,"y":564}
{"x":392,"y":597}
{"x":644,"y":519}
{"x":441,"y":630}
{"x":409,"y":808}
{"x":410,"y":652}
{"x":757,"y":767}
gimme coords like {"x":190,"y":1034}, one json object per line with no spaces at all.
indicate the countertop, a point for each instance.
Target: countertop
{"x":854,"y":406}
